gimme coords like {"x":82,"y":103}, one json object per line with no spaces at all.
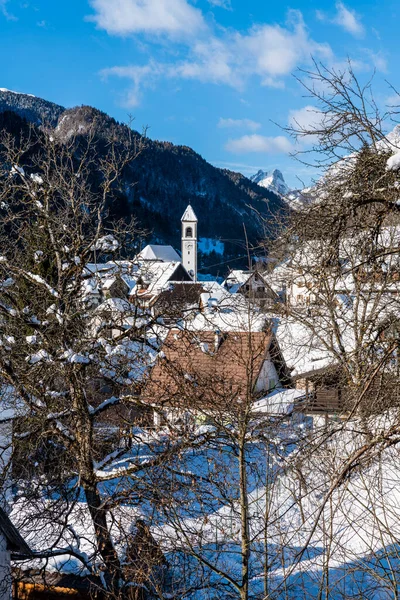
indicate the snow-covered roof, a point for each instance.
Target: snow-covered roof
{"x":236,"y":279}
{"x":155,"y":275}
{"x":189,"y":215}
{"x":302,"y":349}
{"x":156,"y":252}
{"x":278,"y":402}
{"x":213,"y":294}
{"x":93,"y":268}
{"x":114,"y":305}
{"x":229,"y":314}
{"x":109,"y":281}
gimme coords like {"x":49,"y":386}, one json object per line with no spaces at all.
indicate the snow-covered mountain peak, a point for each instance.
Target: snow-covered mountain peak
{"x":272,"y":180}
{"x":391,"y":141}
{"x":6,"y":91}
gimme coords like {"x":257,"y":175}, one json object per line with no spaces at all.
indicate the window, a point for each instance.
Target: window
{"x":189,"y":232}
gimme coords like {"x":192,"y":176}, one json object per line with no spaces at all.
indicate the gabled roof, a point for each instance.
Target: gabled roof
{"x":15,"y":542}
{"x":237,"y":278}
{"x":213,"y":295}
{"x":161,"y":253}
{"x":189,"y":215}
{"x":155,"y":275}
{"x":108,"y":282}
{"x":200,"y":369}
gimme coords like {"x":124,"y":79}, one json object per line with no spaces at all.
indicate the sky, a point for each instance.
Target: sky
{"x":215,"y":75}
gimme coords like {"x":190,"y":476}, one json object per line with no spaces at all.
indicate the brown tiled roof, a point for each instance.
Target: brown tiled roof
{"x":206,"y":368}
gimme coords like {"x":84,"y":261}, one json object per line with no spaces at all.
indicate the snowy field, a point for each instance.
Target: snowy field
{"x":302,"y":543}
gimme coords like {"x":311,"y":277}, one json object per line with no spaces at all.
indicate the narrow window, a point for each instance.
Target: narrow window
{"x":189,"y":232}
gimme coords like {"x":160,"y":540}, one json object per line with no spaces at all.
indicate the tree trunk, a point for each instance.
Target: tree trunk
{"x":244,"y":521}
{"x":104,"y":543}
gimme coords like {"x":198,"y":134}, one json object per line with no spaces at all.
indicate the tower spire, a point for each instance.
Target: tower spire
{"x":189,"y":241}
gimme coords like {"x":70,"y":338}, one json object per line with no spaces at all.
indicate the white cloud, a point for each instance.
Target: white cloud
{"x":259,"y":143}
{"x":238,"y":123}
{"x":378,"y":60}
{"x":272,"y":51}
{"x":238,"y":166}
{"x":140,"y":76}
{"x":4,"y":11}
{"x":308,"y":117}
{"x":392,"y":101}
{"x":211,"y":61}
{"x":346,"y":18}
{"x":268,"y":52}
{"x":175,"y":18}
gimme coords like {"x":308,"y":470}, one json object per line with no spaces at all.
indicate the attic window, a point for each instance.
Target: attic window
{"x":189,"y":232}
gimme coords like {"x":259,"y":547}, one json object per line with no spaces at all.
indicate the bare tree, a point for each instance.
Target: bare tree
{"x":339,"y":261}
{"x":75,"y":372}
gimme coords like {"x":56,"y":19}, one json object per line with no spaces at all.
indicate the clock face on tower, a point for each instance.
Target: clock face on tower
{"x":189,"y":246}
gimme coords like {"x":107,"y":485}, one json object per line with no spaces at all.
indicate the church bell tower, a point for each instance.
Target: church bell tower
{"x":189,"y":242}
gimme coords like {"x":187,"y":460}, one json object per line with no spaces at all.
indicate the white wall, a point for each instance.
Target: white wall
{"x":267,"y":373}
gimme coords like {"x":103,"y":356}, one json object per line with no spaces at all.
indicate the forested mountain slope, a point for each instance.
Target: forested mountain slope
{"x":162,"y":180}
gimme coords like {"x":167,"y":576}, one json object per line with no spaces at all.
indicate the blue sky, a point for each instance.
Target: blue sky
{"x":215,"y":75}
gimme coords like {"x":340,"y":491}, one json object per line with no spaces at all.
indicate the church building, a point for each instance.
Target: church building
{"x":189,"y":242}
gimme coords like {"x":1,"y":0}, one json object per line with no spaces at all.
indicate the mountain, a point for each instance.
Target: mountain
{"x":161,"y":182}
{"x":33,"y":109}
{"x":275,"y":182}
{"x":271,"y":181}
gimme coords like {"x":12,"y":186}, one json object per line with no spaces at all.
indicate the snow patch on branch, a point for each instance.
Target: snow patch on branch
{"x":75,"y":357}
{"x":40,"y":280}
{"x":104,"y":405}
{"x":107,"y":243}
{"x":41,"y":356}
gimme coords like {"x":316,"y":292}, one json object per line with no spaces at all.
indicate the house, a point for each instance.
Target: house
{"x":115,"y":287}
{"x":323,"y":395}
{"x":253,"y":285}
{"x":12,"y":547}
{"x":312,"y":370}
{"x":148,"y":275}
{"x":214,"y":296}
{"x":37,"y":584}
{"x":102,"y":281}
{"x":202,"y":373}
{"x":179,"y":300}
{"x":153,"y":278}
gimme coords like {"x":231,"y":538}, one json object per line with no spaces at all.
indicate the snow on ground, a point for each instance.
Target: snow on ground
{"x":354,"y":542}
